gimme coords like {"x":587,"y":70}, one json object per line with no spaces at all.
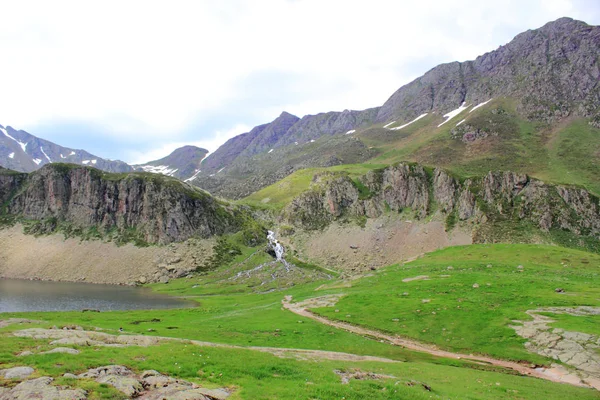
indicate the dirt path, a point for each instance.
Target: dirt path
{"x":555,"y":374}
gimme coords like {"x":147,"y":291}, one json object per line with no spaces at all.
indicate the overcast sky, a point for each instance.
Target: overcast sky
{"x":133,"y":80}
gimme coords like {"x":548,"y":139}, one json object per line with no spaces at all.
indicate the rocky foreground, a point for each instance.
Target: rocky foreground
{"x":149,"y":385}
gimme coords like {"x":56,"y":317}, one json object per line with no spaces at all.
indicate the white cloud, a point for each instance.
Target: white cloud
{"x":157,"y":67}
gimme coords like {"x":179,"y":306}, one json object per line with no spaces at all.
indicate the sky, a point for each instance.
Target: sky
{"x":134,"y":80}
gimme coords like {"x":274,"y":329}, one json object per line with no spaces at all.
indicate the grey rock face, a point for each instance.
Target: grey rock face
{"x":161,"y":209}
{"x":502,"y":195}
{"x":553,"y":71}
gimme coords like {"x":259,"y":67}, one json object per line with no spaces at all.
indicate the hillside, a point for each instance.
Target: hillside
{"x":526,"y":107}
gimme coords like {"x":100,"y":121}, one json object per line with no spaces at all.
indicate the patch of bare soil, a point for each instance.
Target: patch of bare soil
{"x":551,"y":374}
{"x":55,"y":258}
{"x":383,"y":241}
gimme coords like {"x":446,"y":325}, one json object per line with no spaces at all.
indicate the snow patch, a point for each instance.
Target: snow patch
{"x":270,"y":151}
{"x":312,"y":140}
{"x":350,"y":131}
{"x":191,"y":178}
{"x":480,"y":105}
{"x":23,"y":145}
{"x":460,"y":122}
{"x":296,"y":143}
{"x":454,"y":113}
{"x":11,"y":155}
{"x":159,"y":169}
{"x":94,"y":161}
{"x":37,"y":161}
{"x":408,"y":123}
{"x":72,"y":153}
{"x":220,"y":170}
{"x":45,"y":155}
{"x":61,"y":156}
{"x":391,"y":123}
{"x":86,"y":162}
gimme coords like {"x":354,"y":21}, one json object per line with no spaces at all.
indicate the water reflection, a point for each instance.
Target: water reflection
{"x":21,"y":295}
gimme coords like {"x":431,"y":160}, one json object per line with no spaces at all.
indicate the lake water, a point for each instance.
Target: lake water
{"x":22,"y":295}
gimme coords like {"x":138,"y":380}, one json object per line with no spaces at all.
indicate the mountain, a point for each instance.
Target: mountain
{"x":183,"y":163}
{"x":272,"y":151}
{"x":527,"y":106}
{"x":21,"y":151}
{"x":553,"y":71}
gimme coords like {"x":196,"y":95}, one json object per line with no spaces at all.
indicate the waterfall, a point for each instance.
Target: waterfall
{"x":278,"y":249}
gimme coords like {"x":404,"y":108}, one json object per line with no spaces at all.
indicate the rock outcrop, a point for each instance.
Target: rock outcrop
{"x":151,"y":207}
{"x":494,"y":197}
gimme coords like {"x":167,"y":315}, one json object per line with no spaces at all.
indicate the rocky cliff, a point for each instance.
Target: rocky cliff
{"x":151,"y":207}
{"x":496,"y":197}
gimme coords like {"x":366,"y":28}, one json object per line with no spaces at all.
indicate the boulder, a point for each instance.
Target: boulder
{"x":16,"y":372}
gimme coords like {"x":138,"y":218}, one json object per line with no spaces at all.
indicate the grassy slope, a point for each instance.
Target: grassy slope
{"x":281,"y":193}
{"x":234,"y":313}
{"x":466,"y":319}
{"x":568,"y":153}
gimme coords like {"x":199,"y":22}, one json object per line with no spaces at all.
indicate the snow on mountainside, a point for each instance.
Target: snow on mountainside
{"x":21,"y":151}
{"x":183,"y":163}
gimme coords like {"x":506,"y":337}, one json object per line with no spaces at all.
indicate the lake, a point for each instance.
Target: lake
{"x":22,"y":295}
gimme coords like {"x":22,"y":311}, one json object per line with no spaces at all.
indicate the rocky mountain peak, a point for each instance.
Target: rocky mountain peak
{"x":556,"y":64}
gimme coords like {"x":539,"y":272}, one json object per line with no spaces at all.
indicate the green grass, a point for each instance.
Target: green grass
{"x":278,"y":195}
{"x":461,"y":318}
{"x":255,"y":375}
{"x":244,"y":313}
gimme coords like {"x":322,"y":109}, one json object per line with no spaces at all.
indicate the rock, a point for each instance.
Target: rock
{"x":216,"y":394}
{"x":559,"y":290}
{"x":130,"y":386}
{"x":25,"y":353}
{"x":450,"y":268}
{"x":70,"y":376}
{"x":164,"y":279}
{"x":475,"y":285}
{"x":116,"y":370}
{"x":150,"y":372}
{"x":42,"y":389}
{"x":519,"y":267}
{"x":65,"y":350}
{"x":16,"y":372}
{"x":142,"y":279}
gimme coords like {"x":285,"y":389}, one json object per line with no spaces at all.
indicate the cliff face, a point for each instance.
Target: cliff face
{"x":495,"y":197}
{"x":158,"y":208}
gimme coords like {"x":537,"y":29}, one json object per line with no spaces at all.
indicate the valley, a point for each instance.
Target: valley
{"x":445,"y":244}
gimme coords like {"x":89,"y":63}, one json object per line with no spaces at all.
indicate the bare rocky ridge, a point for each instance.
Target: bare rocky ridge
{"x":553,"y":71}
{"x":496,"y":197}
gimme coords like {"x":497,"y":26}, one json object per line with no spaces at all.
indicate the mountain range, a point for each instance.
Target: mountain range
{"x":524,"y":106}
